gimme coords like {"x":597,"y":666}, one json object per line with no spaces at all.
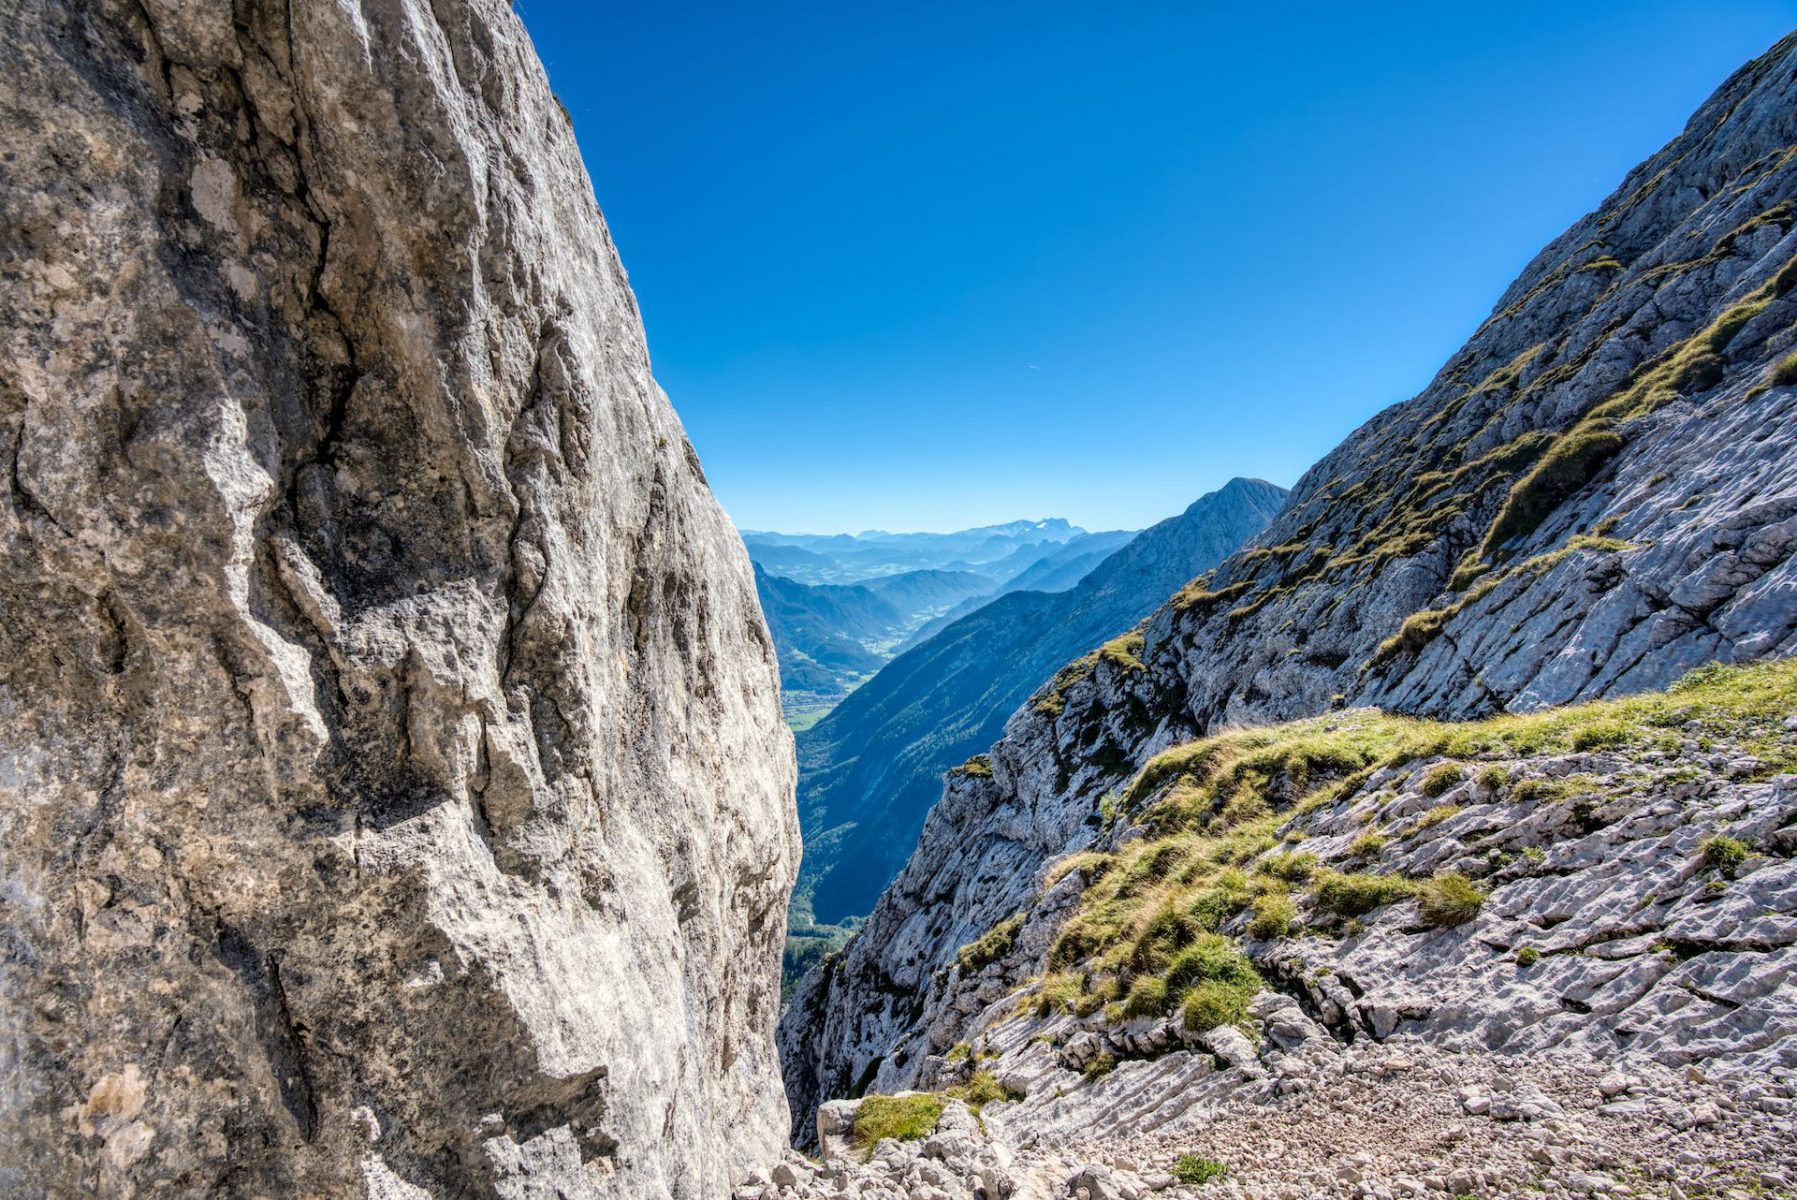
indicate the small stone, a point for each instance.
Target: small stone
{"x":1093,"y":1181}
{"x":1616,"y":1083}
{"x":1704,"y":1115}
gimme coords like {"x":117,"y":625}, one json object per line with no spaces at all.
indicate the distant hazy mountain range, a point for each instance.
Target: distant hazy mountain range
{"x":1055,"y":571}
{"x":871,"y":769}
{"x":829,"y":635}
{"x":841,"y":605}
{"x":998,"y":551}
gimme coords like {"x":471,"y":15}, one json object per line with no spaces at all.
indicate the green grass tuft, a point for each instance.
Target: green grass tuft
{"x":1602,"y":735}
{"x":1437,"y":815}
{"x":907,"y":1118}
{"x":1292,"y":868}
{"x":1210,"y":1004}
{"x":991,"y":946}
{"x":1574,"y":461}
{"x":1274,"y":916}
{"x":1053,"y":701}
{"x":1357,"y":895}
{"x":1731,"y":322}
{"x":1191,"y":1169}
{"x":983,"y":1088}
{"x":1196,"y":596}
{"x":1449,"y":899}
{"x":979,"y":767}
{"x":1784,"y":371}
{"x":1125,"y":651}
{"x":1441,"y":778}
{"x":1725,"y":854}
{"x":1147,"y":997}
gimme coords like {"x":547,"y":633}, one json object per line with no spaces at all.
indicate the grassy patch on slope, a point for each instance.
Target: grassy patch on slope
{"x":1690,"y":366}
{"x":906,"y":1118}
{"x":1146,"y":935}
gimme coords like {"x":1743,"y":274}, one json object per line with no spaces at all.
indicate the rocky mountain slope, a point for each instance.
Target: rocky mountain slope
{"x":395,"y":800}
{"x":1596,"y":494}
{"x":871,"y":769}
{"x":1576,"y":926}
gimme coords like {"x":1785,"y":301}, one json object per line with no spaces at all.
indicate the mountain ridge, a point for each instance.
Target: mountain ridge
{"x":829,"y":637}
{"x":841,"y":606}
{"x":1596,"y":494}
{"x":1024,"y":525}
{"x":999,"y":551}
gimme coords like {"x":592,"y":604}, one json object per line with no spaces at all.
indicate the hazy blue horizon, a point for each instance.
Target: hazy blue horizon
{"x":950,"y":266}
{"x":754,"y":530}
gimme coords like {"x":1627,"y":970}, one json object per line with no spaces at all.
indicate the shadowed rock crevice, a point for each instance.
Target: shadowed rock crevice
{"x":260,"y":974}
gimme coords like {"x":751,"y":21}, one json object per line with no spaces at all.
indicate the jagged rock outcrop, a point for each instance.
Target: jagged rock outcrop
{"x":395,"y":798}
{"x":1596,"y":494}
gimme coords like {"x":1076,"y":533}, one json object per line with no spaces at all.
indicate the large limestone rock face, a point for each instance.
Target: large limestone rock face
{"x":1597,"y":493}
{"x":393,"y":794}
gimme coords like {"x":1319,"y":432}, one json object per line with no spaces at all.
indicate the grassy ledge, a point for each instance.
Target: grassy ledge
{"x":1688,"y":367}
{"x":906,"y":1118}
{"x":1148,"y":935}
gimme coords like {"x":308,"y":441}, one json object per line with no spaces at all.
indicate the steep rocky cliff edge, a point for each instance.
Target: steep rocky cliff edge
{"x":1597,"y":494}
{"x":393,"y":794}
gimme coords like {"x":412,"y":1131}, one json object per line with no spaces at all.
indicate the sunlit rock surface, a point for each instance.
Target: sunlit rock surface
{"x":393,"y":792}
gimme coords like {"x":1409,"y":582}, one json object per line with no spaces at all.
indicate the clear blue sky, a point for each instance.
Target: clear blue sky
{"x":931,"y":265}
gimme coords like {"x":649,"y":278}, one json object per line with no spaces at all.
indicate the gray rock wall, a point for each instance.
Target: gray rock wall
{"x":1597,"y":493}
{"x":393,"y":792}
